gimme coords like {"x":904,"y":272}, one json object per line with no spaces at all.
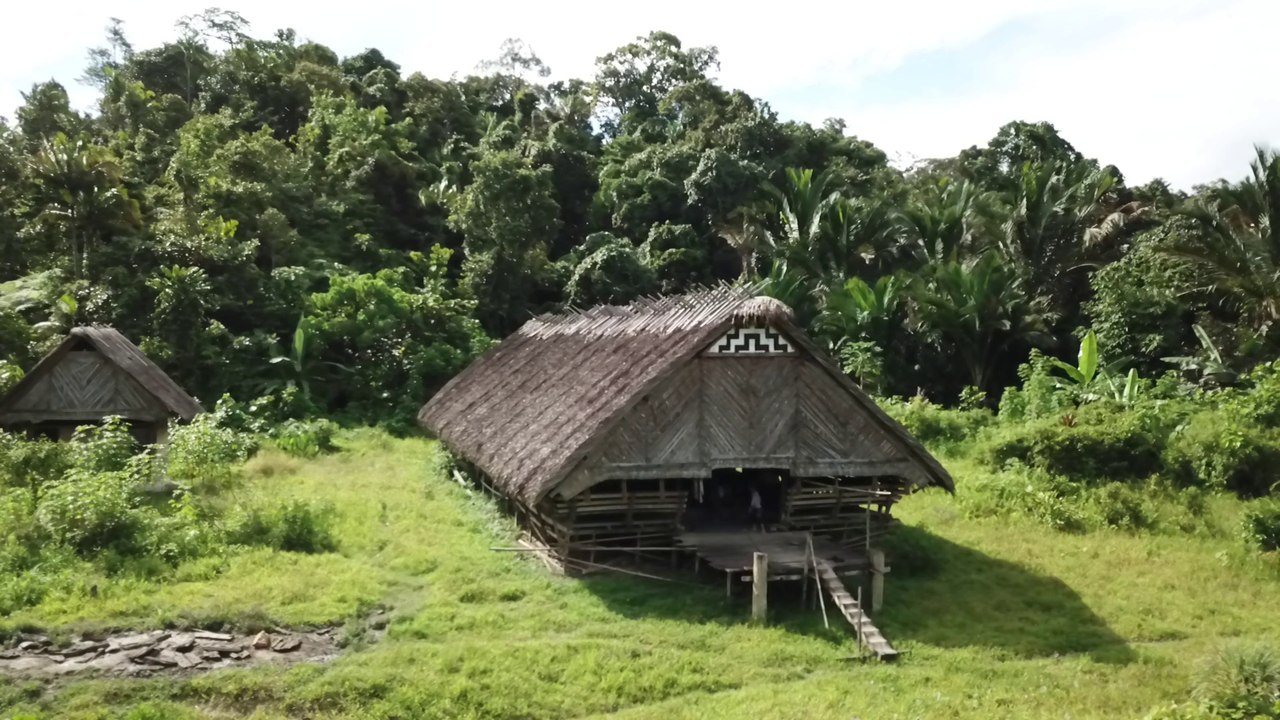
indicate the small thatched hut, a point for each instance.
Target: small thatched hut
{"x":95,"y":373}
{"x":630,"y":425}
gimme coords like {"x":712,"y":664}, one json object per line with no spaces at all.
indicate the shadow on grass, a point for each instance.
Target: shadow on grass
{"x":947,"y":595}
{"x":938,"y":593}
{"x":702,"y":601}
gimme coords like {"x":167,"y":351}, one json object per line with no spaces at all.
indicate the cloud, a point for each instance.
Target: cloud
{"x":1173,"y":88}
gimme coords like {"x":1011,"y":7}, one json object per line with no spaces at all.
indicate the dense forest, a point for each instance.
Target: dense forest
{"x":336,"y":235}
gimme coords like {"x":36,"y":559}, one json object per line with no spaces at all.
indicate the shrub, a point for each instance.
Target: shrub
{"x":1261,"y":403}
{"x":90,"y":511}
{"x":305,"y":438}
{"x":1262,"y":524}
{"x":1039,"y":396}
{"x":1090,"y":445}
{"x":203,"y":455}
{"x":1241,"y":681}
{"x":937,"y":426}
{"x":294,"y":526}
{"x":31,"y":465}
{"x":1118,"y":506}
{"x":102,"y":448}
{"x":1026,"y":492}
{"x":1217,"y":450}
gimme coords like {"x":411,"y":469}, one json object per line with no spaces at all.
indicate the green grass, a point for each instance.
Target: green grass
{"x":997,"y":618}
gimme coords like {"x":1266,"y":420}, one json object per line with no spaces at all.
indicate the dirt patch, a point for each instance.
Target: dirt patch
{"x":166,"y":652}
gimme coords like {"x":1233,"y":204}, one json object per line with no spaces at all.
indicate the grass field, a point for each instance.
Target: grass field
{"x":996,"y":619}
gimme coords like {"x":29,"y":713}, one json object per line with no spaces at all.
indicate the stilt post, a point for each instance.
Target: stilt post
{"x":878,"y":570}
{"x":759,"y":587}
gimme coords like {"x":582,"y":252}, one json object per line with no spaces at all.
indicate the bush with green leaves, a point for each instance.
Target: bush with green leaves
{"x":1040,"y":396}
{"x":1219,"y":450}
{"x":1020,"y":491}
{"x":304,"y":438}
{"x":1240,"y":681}
{"x":1261,"y":524}
{"x":1092,"y":444}
{"x":293,"y":526}
{"x":1259,"y":400}
{"x":204,"y":455}
{"x":939,"y":427}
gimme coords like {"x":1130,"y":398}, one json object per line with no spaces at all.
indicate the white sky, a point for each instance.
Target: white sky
{"x":1179,"y":89}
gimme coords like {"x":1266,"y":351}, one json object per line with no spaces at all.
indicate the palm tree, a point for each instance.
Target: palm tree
{"x":748,"y":237}
{"x":802,"y":204}
{"x":1062,"y":221}
{"x":1237,"y":246}
{"x":79,"y":185}
{"x":861,"y":311}
{"x":949,"y":220}
{"x":859,"y":238}
{"x":978,"y":310}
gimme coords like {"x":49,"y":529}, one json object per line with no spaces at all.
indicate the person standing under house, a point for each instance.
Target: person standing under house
{"x":755,"y":510}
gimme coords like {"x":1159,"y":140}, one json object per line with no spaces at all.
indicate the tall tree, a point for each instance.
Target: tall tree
{"x":508,"y":216}
{"x":1236,"y":246}
{"x":81,"y":197}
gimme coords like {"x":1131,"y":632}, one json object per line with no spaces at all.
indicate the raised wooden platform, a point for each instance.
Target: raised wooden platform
{"x":733,"y":552}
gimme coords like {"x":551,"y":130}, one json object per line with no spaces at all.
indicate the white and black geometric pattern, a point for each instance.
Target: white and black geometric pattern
{"x":751,"y":341}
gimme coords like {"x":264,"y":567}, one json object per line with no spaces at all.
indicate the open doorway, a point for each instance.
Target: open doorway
{"x":736,"y":499}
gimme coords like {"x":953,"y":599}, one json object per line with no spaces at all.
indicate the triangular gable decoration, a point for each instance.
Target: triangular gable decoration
{"x":752,"y":341}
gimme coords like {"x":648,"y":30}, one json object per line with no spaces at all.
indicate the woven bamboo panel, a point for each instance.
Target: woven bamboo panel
{"x":85,"y":383}
{"x":833,"y":427}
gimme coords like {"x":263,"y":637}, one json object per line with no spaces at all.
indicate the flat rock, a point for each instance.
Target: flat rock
{"x":85,"y":658}
{"x":210,"y":656}
{"x":140,"y":653}
{"x":10,"y":654}
{"x":133,"y":642}
{"x":164,"y":658}
{"x":262,"y":640}
{"x":30,"y":645}
{"x":216,"y":636}
{"x":27,"y":664}
{"x":221,"y":647}
{"x":188,"y":660}
{"x":111,"y":662}
{"x":286,"y":644}
{"x":82,"y":647}
{"x":181,"y":642}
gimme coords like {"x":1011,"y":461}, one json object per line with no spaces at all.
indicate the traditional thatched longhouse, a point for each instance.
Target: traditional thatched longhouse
{"x":95,"y":373}
{"x":630,"y":425}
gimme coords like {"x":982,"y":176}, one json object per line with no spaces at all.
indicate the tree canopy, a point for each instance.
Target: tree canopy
{"x":230,"y":184}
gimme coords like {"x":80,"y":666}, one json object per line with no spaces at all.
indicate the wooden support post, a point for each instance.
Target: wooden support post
{"x":878,"y":570}
{"x":759,"y":587}
{"x":728,"y":583}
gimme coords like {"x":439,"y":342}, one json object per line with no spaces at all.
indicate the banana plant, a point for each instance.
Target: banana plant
{"x":1088,"y":375}
{"x":1128,"y":392}
{"x":1211,"y":366}
{"x":303,"y":367}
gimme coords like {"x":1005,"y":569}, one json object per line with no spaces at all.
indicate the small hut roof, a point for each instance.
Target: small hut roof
{"x":116,"y":349}
{"x":526,"y":411}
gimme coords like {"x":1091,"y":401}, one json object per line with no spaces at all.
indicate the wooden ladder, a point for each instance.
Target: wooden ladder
{"x":868,"y":634}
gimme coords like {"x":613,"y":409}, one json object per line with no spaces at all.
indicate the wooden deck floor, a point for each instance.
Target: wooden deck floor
{"x":734,"y":551}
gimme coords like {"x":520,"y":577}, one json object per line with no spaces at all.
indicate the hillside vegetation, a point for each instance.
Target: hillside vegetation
{"x":339,"y":236}
{"x":998,"y":616}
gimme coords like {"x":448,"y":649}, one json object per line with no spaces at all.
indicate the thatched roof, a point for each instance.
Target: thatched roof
{"x":525,"y":411}
{"x":121,"y":353}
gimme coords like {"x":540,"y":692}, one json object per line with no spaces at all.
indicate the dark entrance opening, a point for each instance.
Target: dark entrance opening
{"x":725,"y":500}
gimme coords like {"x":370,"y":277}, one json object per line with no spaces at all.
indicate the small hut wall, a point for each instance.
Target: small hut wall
{"x":83,"y":387}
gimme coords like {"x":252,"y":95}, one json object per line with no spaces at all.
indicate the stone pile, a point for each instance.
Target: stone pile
{"x":148,"y":653}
